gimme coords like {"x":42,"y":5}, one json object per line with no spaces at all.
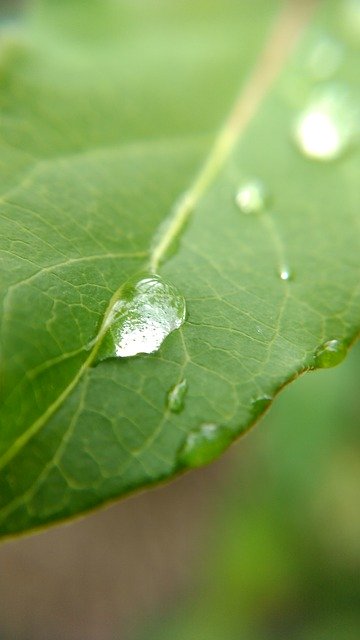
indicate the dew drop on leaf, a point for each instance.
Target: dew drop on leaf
{"x":252,"y":196}
{"x":147,"y":310}
{"x":176,"y":397}
{"x":286,"y":273}
{"x":204,"y":444}
{"x":330,"y":354}
{"x":328,"y":125}
{"x":260,"y":405}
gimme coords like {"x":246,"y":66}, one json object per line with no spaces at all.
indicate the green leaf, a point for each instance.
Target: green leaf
{"x":111,"y":166}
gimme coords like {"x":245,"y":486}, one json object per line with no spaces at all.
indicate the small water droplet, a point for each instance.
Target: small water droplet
{"x":205,"y":444}
{"x":259,"y":406}
{"x":325,"y":57}
{"x":330,"y":354}
{"x":286,"y":273}
{"x":328,"y":124}
{"x":252,"y":196}
{"x":176,"y":396}
{"x":148,"y":309}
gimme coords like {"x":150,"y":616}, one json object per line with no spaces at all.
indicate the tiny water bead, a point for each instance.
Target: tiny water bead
{"x":205,"y":444}
{"x":176,"y":396}
{"x":259,"y":406}
{"x":328,"y":124}
{"x":252,"y":196}
{"x":286,"y":273}
{"x":147,"y":311}
{"x":330,"y":354}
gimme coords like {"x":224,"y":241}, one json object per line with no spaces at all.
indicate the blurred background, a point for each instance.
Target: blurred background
{"x":262,"y":545}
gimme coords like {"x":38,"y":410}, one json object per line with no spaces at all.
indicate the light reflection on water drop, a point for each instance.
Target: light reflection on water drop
{"x":252,"y":196}
{"x":286,"y":274}
{"x":176,"y":396}
{"x":328,"y":124}
{"x":204,"y":444}
{"x":330,"y":354}
{"x":260,"y":405}
{"x":147,"y":311}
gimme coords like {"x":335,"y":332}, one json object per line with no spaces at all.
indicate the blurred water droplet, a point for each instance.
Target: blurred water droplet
{"x":252,"y":196}
{"x":204,"y":444}
{"x":148,"y":309}
{"x":176,"y":397}
{"x":286,"y":273}
{"x":330,"y":354}
{"x":325,"y":57}
{"x":328,"y":124}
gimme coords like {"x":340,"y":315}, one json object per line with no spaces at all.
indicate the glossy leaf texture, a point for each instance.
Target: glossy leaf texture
{"x":112,"y":166}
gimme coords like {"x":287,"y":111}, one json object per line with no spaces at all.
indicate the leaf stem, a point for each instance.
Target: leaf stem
{"x":283,"y":38}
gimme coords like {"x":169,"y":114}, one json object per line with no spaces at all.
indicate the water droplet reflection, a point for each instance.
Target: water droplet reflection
{"x":176,"y":397}
{"x":148,"y":309}
{"x":330,"y":354}
{"x":205,"y":444}
{"x":327,"y":125}
{"x":286,"y":274}
{"x":252,"y":196}
{"x":259,"y":406}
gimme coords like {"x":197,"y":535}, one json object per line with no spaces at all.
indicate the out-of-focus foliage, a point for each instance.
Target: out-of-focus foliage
{"x":283,"y":560}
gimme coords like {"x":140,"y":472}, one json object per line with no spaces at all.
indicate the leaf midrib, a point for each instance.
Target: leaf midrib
{"x":282,"y":40}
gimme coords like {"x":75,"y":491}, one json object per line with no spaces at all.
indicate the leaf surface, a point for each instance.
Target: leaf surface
{"x":109,"y":116}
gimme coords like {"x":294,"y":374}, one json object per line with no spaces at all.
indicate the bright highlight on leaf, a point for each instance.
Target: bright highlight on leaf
{"x":252,"y":197}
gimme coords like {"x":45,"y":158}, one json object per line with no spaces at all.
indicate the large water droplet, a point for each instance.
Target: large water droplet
{"x":330,"y":354}
{"x":176,"y":396}
{"x":328,"y":124}
{"x":204,"y":444}
{"x":325,"y":57}
{"x":252,"y":196}
{"x":148,"y":309}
